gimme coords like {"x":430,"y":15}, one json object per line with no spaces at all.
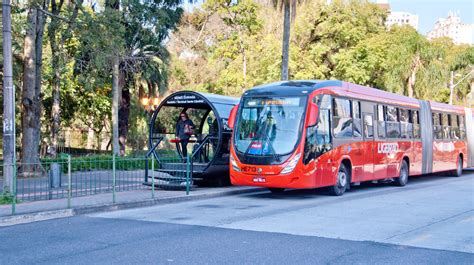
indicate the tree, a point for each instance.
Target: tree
{"x":242,"y":19}
{"x":113,"y":6}
{"x":32,"y":77}
{"x":141,"y":55}
{"x":56,"y":45}
{"x":326,"y":33}
{"x":147,"y":25}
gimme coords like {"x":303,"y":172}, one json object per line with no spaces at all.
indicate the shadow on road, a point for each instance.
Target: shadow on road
{"x":306,"y":194}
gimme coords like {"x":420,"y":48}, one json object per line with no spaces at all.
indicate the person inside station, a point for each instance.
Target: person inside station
{"x":184,"y":130}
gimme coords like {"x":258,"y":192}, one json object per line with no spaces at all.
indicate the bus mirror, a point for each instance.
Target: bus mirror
{"x":232,"y":115}
{"x":313,"y":114}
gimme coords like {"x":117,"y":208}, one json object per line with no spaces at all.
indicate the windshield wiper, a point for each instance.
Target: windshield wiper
{"x":269,"y":143}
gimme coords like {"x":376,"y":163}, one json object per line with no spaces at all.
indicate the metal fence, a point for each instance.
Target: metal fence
{"x":68,"y":177}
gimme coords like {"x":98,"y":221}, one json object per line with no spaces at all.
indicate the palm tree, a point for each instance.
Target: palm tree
{"x":289,"y":11}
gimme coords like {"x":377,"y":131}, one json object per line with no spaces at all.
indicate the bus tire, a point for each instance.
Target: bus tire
{"x":276,"y":190}
{"x":458,"y":172}
{"x":402,"y":180}
{"x":342,"y":182}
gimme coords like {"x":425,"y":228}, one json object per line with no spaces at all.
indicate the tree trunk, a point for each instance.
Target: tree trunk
{"x":40,"y":23}
{"x":30,"y":101}
{"x":124,"y":114}
{"x":56,"y":80}
{"x":286,"y":41}
{"x":56,"y":88}
{"x":90,"y":138}
{"x":116,"y":90}
{"x":56,"y":65}
{"x":115,"y":106}
{"x":244,"y":57}
{"x":412,"y":78}
{"x":8,"y":103}
{"x":244,"y":68}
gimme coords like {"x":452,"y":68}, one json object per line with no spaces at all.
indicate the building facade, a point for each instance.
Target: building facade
{"x":452,"y":27}
{"x":401,"y":19}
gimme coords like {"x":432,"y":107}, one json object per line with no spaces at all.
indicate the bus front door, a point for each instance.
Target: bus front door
{"x":369,"y":145}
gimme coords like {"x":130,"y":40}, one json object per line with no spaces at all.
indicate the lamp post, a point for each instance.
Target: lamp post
{"x":452,"y":85}
{"x":149,"y":103}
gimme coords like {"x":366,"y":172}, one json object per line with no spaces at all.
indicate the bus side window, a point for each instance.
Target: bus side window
{"x":454,"y":127}
{"x":416,"y":124}
{"x":405,"y":124}
{"x":462,"y":128}
{"x":342,"y":120}
{"x":393,"y":125}
{"x":445,"y":122}
{"x":380,"y":121}
{"x":356,"y":118}
{"x":368,"y":126}
{"x":437,"y":132}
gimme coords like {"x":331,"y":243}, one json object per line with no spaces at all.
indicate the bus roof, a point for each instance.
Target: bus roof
{"x":436,"y":106}
{"x":283,"y":88}
{"x":214,"y":98}
{"x":342,"y":88}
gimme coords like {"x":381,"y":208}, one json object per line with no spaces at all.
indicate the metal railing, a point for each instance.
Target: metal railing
{"x":67,"y":178}
{"x":166,"y":157}
{"x":197,"y":150}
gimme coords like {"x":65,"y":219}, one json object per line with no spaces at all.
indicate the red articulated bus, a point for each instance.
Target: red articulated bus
{"x":309,"y":134}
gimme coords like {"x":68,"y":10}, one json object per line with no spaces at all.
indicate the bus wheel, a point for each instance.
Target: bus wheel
{"x":276,"y":190}
{"x":342,"y":182}
{"x":458,"y":171}
{"x":403,"y":178}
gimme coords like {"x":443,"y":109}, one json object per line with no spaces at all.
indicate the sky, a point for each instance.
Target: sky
{"x":428,"y":11}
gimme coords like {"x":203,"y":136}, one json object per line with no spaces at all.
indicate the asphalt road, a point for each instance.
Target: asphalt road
{"x":430,"y":221}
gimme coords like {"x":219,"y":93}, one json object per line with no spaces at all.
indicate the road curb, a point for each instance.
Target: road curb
{"x":35,"y":217}
{"x":54,"y":214}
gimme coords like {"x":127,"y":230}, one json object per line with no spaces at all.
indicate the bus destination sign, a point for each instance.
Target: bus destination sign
{"x":288,"y":101}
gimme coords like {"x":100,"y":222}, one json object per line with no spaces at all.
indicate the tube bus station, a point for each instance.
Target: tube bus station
{"x":206,"y":152}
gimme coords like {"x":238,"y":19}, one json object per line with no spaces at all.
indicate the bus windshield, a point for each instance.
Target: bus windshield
{"x":269,"y":125}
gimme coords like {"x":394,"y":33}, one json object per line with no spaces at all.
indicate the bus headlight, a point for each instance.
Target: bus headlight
{"x":291,"y":165}
{"x":234,"y":164}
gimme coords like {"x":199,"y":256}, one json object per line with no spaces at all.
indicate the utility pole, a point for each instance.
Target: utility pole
{"x":115,"y":105}
{"x":452,"y":85}
{"x":8,"y":100}
{"x":451,"y":88}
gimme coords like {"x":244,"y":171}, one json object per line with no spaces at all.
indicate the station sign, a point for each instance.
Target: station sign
{"x":185,"y":98}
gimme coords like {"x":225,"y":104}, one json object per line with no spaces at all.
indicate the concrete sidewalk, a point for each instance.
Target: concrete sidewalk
{"x":49,"y":209}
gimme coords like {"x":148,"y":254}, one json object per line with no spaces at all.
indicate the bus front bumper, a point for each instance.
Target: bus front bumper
{"x":290,"y":181}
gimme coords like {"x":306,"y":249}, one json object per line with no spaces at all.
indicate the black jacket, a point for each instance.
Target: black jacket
{"x":180,"y":129}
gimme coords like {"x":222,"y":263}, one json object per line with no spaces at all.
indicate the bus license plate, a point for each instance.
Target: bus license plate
{"x":259,"y":180}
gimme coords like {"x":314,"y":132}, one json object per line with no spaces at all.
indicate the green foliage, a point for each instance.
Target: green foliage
{"x":97,"y":162}
{"x":135,"y":33}
{"x":227,"y":47}
{"x":344,"y":40}
{"x":97,"y":39}
{"x":6,"y":198}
